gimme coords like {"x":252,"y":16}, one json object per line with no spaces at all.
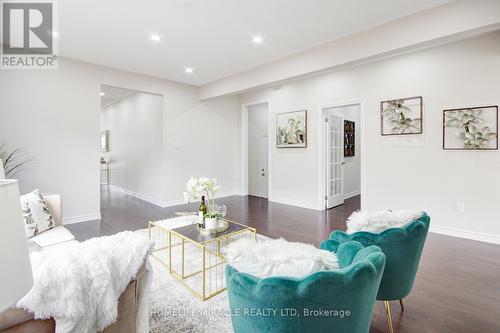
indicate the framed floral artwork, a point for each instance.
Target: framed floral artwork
{"x":474,"y":128}
{"x":291,"y":129}
{"x":401,"y":116}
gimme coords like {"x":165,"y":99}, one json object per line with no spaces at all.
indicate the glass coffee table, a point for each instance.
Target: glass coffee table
{"x":194,"y":257}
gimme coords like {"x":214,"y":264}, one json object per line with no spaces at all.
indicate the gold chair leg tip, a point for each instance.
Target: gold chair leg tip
{"x":389,"y":317}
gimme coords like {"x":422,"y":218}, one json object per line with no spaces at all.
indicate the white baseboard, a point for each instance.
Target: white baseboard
{"x":461,"y":233}
{"x":226,"y":194}
{"x":296,"y":203}
{"x":154,"y":201}
{"x":257,"y":196}
{"x":182,"y":202}
{"x":81,"y":218}
{"x":351,"y":194}
{"x":309,"y":205}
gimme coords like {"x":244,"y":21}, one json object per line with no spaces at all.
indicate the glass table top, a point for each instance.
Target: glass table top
{"x":191,"y":232}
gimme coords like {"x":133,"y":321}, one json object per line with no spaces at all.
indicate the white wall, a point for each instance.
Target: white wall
{"x":55,"y":116}
{"x":410,"y":171}
{"x":135,"y":126}
{"x":202,"y":141}
{"x":257,"y":128}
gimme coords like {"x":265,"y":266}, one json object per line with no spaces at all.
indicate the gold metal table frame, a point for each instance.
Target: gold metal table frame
{"x":211,"y":258}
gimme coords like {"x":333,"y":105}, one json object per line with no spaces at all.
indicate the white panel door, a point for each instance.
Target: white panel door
{"x":334,"y":139}
{"x":263,"y":149}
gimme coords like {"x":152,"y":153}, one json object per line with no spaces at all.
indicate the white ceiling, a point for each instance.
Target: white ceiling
{"x":212,"y":36}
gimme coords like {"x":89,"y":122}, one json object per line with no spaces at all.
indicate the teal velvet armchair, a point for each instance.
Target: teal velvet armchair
{"x":402,"y":248}
{"x":327,"y":301}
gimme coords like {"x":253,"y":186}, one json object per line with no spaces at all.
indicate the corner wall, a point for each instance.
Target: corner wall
{"x":404,"y":171}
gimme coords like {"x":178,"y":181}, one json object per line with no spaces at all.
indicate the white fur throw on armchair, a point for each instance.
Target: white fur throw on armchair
{"x":378,"y":221}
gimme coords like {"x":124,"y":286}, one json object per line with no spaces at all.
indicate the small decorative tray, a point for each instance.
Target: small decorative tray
{"x":223,"y":225}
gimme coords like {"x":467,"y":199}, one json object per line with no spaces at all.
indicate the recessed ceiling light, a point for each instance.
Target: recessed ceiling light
{"x":55,"y":34}
{"x":155,"y":38}
{"x":189,"y":70}
{"x":257,"y":39}
{"x":102,"y":94}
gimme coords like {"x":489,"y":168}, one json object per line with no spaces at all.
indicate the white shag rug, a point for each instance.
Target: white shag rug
{"x":174,"y":309}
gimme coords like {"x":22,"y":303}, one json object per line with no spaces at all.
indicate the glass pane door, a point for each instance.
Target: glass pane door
{"x":334,"y":130}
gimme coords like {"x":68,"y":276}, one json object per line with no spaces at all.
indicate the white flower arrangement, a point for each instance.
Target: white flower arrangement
{"x":197,"y":187}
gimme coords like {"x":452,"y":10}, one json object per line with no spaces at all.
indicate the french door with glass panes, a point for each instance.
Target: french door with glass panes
{"x":334,"y":151}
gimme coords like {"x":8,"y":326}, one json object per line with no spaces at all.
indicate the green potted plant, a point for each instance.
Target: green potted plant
{"x":12,"y":161}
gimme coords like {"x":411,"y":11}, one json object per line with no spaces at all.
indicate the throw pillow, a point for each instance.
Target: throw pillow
{"x":381,"y":220}
{"x":278,"y":258}
{"x":36,"y":215}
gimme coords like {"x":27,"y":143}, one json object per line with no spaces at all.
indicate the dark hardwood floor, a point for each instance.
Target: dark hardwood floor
{"x":120,"y":212}
{"x":457,"y":287}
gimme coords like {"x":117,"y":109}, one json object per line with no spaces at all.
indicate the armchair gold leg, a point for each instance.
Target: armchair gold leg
{"x":389,"y":318}
{"x":402,"y":306}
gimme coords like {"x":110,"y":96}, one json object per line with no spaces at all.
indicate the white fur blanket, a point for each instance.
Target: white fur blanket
{"x":379,"y":221}
{"x":278,"y":257}
{"x":79,"y":285}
